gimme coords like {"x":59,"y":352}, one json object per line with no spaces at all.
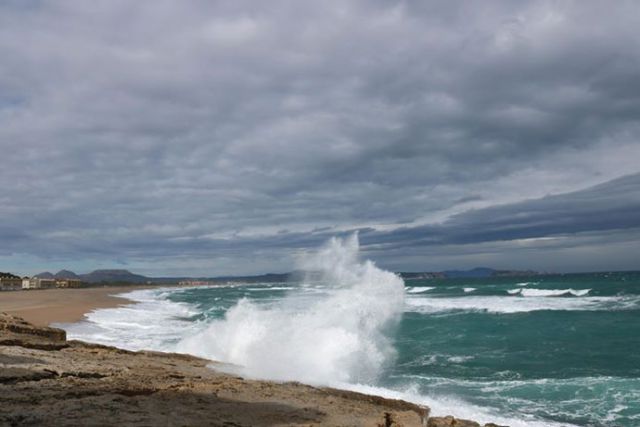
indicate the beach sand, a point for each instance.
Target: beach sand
{"x":46,"y":306}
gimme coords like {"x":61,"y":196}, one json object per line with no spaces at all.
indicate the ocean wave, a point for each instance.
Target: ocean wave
{"x":467,"y":290}
{"x":529,"y":292}
{"x":273,"y":288}
{"x":152,"y":322}
{"x":442,"y":404}
{"x":339,"y":336}
{"x":419,"y":289}
{"x":506,"y":304}
{"x":604,"y":404}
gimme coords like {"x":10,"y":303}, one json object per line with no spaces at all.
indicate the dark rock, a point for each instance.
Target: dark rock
{"x":12,"y":375}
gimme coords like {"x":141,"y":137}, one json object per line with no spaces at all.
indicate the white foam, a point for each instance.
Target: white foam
{"x":339,"y":336}
{"x":153,"y":322}
{"x":529,"y":292}
{"x":442,"y":405}
{"x":419,"y":289}
{"x":467,"y":290}
{"x":507,"y":304}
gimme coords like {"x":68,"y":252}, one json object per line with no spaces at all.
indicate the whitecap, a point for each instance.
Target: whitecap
{"x":152,"y":322}
{"x":529,"y":292}
{"x":443,"y":404}
{"x":509,"y":304}
{"x":419,"y":289}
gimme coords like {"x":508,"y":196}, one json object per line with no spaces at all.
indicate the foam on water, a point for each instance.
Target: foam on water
{"x":467,"y":290}
{"x":442,"y":405}
{"x":419,"y":289}
{"x":153,"y":322}
{"x":510,"y":304}
{"x":338,"y":337}
{"x":529,"y":292}
{"x":587,"y":398}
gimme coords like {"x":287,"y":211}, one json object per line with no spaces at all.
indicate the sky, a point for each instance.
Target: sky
{"x":231,"y":137}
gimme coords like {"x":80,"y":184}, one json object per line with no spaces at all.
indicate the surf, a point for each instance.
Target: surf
{"x":344,"y":335}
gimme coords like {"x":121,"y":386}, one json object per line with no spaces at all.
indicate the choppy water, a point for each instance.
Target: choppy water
{"x":552,"y":350}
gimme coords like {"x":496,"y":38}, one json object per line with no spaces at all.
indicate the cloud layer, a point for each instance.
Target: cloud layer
{"x":223,"y":137}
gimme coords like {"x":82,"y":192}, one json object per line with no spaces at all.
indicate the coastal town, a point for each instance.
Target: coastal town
{"x":119,"y":277}
{"x":11,"y":282}
{"x":68,"y":279}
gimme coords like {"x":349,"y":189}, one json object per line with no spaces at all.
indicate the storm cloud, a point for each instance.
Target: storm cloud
{"x":198,"y":137}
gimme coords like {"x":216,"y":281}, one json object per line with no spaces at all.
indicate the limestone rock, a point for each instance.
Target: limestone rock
{"x":19,"y":326}
{"x":45,"y":380}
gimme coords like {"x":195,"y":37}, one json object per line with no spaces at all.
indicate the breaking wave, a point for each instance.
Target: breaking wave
{"x":529,"y":292}
{"x":339,"y":337}
{"x":505,"y":304}
{"x":419,"y":289}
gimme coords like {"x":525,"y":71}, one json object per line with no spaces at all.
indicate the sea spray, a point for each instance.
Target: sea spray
{"x":341,"y":337}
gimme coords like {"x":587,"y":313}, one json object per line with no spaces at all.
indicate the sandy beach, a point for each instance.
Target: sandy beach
{"x":43,"y":307}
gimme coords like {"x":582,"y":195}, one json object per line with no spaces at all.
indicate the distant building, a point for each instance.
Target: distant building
{"x":68,"y":283}
{"x":196,"y":283}
{"x":10,"y":283}
{"x":37,"y":283}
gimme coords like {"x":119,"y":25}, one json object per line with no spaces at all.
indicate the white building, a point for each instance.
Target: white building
{"x":38,"y":283}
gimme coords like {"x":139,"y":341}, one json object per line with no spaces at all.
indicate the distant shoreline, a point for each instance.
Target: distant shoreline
{"x":45,"y":306}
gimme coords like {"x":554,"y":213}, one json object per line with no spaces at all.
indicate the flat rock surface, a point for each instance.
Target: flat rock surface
{"x":46,"y":380}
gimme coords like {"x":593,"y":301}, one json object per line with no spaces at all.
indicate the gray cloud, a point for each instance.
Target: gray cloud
{"x":230,"y":131}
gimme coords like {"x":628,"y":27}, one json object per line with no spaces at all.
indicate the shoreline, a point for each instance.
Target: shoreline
{"x":54,"y":306}
{"x":43,"y":307}
{"x":48,"y":380}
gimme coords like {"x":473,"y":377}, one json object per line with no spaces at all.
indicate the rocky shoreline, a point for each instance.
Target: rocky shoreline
{"x":47,"y":380}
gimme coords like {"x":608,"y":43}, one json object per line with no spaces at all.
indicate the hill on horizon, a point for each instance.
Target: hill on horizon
{"x":97,"y":276}
{"x":115,"y":275}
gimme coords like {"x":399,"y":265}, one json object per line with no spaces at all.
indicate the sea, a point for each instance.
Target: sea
{"x":549,"y":350}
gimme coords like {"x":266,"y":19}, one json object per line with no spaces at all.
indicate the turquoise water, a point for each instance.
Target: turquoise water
{"x":557,"y":348}
{"x":540,"y":351}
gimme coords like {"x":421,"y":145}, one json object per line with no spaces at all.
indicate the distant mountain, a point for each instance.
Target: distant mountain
{"x":66,"y":274}
{"x":422,"y":275}
{"x":481,"y":272}
{"x":113,"y":276}
{"x":124,"y":276}
{"x":44,"y":275}
{"x":478,"y":272}
{"x":516,"y":273}
{"x":475,"y":272}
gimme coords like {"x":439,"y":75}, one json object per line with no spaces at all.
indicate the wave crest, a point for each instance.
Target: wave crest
{"x":341,"y":337}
